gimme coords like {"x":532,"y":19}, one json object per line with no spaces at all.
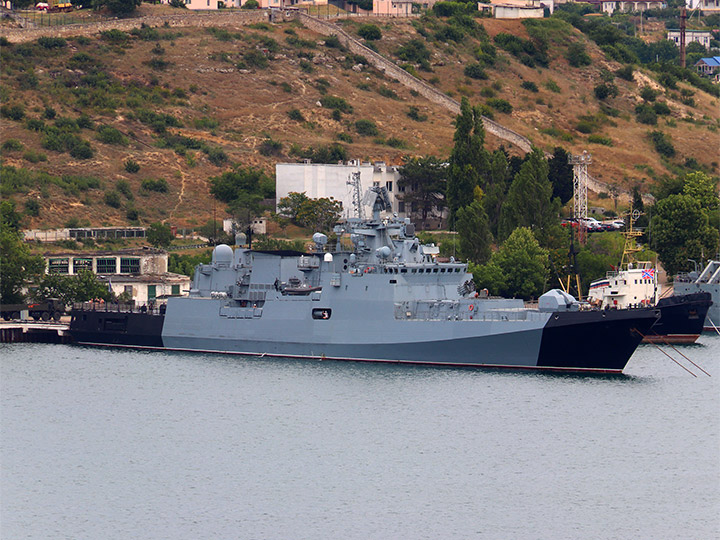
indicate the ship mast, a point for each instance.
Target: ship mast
{"x":631,"y":235}
{"x":354,"y":182}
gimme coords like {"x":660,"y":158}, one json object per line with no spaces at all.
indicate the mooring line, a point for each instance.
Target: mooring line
{"x":713,"y":325}
{"x":666,"y":354}
{"x":681,"y":354}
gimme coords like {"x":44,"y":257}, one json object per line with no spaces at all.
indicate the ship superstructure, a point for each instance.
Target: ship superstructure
{"x":707,"y":281}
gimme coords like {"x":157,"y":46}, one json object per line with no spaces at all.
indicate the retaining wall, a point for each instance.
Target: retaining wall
{"x":215,"y":18}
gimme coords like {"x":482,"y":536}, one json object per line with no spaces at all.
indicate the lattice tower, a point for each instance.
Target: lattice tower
{"x":354,"y":181}
{"x":580,"y":181}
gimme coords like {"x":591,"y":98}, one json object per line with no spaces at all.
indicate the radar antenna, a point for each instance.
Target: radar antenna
{"x":354,"y":181}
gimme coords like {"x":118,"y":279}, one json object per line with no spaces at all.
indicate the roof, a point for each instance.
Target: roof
{"x":713,"y":61}
{"x":116,"y":253}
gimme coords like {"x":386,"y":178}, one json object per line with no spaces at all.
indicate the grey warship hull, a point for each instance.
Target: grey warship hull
{"x":387,"y":300}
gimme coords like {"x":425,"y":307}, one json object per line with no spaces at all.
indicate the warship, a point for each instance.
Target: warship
{"x":707,"y":282}
{"x":387,"y":298}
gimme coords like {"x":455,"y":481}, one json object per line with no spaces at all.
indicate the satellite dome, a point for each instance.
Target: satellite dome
{"x":222,"y":255}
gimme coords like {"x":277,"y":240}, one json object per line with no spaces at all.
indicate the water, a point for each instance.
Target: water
{"x":146,"y":445}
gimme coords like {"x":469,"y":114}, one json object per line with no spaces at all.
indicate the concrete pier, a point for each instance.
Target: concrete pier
{"x":34,"y":332}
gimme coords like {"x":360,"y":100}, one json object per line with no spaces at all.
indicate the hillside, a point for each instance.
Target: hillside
{"x":186,"y":104}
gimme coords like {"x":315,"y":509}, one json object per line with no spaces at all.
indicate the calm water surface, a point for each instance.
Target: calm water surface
{"x":102,"y":444}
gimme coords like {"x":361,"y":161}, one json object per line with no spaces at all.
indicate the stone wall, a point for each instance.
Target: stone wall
{"x":215,"y":18}
{"x":394,"y":71}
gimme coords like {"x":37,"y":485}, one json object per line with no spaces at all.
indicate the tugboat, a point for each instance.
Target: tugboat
{"x":707,"y":281}
{"x":388,"y":299}
{"x":635,"y":283}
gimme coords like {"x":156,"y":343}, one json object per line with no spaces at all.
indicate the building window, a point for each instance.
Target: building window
{"x":401,"y":206}
{"x":82,"y":264}
{"x":59,"y":266}
{"x":107,"y":266}
{"x":152,"y":292}
{"x":401,"y":189}
{"x":129,"y":265}
{"x":388,"y":186}
{"x":175,"y":290}
{"x":376,"y":184}
{"x":128,"y":290}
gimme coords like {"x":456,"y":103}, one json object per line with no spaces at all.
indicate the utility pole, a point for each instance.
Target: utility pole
{"x":683,"y":17}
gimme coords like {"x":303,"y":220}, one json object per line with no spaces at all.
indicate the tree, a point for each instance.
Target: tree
{"x":231,"y":184}
{"x":474,"y":231}
{"x":560,"y":174}
{"x":82,"y":287}
{"x":681,"y":230}
{"x":529,"y":201}
{"x":523,"y":263}
{"x":468,"y":160}
{"x":18,"y":267}
{"x":316,"y":214}
{"x":426,"y":177}
{"x":160,"y":235}
{"x":117,"y":7}
{"x":496,"y":190}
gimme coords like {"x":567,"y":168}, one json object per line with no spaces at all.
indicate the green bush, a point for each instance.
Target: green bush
{"x":414,"y":114}
{"x":216,"y":156}
{"x":34,"y":157}
{"x":500,"y":105}
{"x":661,"y":108}
{"x":12,"y":145}
{"x":52,"y":42}
{"x":605,"y":90}
{"x":662,"y":143}
{"x":577,"y":56}
{"x":600,"y":139}
{"x":394,"y":142}
{"x":345,"y":137}
{"x":333,"y":42}
{"x":625,"y":72}
{"x":159,"y":186}
{"x":123,"y":186}
{"x":529,"y":85}
{"x":552,"y":86}
{"x":32,"y":208}
{"x":132,"y":166}
{"x":366,"y":127}
{"x":338,"y":103}
{"x":256,"y":59}
{"x":387,"y":92}
{"x":13,"y":112}
{"x":110,"y":135}
{"x":475,"y":71}
{"x":49,"y":113}
{"x":369,"y":32}
{"x":648,"y":94}
{"x":296,"y":115}
{"x":645,"y":114}
{"x":112,"y":198}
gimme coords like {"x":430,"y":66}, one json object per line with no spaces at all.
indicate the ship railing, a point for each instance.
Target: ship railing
{"x":152,"y":308}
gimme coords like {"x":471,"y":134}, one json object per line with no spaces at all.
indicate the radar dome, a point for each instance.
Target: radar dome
{"x":222,"y":255}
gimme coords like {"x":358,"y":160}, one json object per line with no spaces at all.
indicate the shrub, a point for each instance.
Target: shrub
{"x":662,"y":143}
{"x":552,"y":86}
{"x":52,"y":42}
{"x":117,"y":37}
{"x":394,"y":142}
{"x":34,"y":157}
{"x":369,"y":32}
{"x":414,"y":114}
{"x":600,"y":139}
{"x":529,"y":85}
{"x":216,"y":156}
{"x":345,"y":137}
{"x":158,"y":64}
{"x":110,"y":135}
{"x":333,"y":42}
{"x":123,"y":186}
{"x":132,"y":166}
{"x":13,"y":112}
{"x":648,"y":94}
{"x":32,"y":208}
{"x":338,"y":103}
{"x":256,"y":59}
{"x":475,"y":71}
{"x":366,"y":127}
{"x":605,"y":90}
{"x":112,"y":198}
{"x":49,"y":113}
{"x":625,"y":72}
{"x":35,"y":124}
{"x":296,"y":115}
{"x":205,"y":123}
{"x":661,"y":108}
{"x":81,"y":149}
{"x":387,"y":92}
{"x":270,"y":147}
{"x":500,"y":105}
{"x":577,"y":56}
{"x":645,"y":114}
{"x":306,"y":66}
{"x":159,"y":186}
{"x":12,"y":145}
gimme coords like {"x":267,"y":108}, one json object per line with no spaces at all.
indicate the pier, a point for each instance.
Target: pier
{"x":34,"y":332}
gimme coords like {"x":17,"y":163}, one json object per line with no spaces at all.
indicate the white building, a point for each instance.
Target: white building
{"x":702,"y":37}
{"x":140,"y":272}
{"x":320,"y":180}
